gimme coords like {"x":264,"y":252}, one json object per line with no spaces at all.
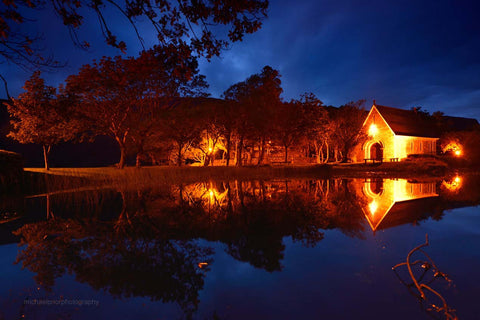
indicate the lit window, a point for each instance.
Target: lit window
{"x":373,"y":130}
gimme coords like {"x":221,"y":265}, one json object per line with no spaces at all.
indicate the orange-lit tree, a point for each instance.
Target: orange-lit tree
{"x":318,"y":127}
{"x":120,"y":97}
{"x":237,"y":117}
{"x":348,"y":121}
{"x":463,"y":145}
{"x":258,"y":98}
{"x":40,"y":116}
{"x":181,"y":127}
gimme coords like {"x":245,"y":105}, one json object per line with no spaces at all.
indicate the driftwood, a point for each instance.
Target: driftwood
{"x":423,"y":287}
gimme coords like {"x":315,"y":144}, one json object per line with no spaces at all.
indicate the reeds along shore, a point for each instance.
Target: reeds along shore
{"x":37,"y":180}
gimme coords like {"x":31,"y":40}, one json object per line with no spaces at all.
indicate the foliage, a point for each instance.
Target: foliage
{"x":467,"y":142}
{"x":124,"y":97}
{"x":258,"y":98}
{"x":206,"y":27}
{"x":41,"y":116}
{"x":348,"y":121}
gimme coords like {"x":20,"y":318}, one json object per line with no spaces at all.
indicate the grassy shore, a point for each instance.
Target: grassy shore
{"x":131,"y":177}
{"x":59,"y":178}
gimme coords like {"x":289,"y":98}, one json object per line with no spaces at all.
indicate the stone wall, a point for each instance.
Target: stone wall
{"x":383,"y":135}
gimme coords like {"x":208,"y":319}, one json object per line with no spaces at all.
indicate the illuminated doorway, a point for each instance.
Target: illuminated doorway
{"x":376,"y":152}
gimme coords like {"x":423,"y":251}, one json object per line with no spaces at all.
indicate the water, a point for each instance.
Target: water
{"x":277,"y":249}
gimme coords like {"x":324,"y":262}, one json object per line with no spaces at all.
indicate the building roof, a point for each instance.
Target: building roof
{"x":408,"y":122}
{"x":459,"y":124}
{"x":420,"y":124}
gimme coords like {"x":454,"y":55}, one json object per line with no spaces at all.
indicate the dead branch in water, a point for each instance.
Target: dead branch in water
{"x":421,"y":287}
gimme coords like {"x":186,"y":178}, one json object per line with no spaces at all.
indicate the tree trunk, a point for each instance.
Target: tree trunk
{"x":46,"y":152}
{"x":345,"y":155}
{"x":179,"y":155}
{"x":229,"y":141}
{"x":327,"y":156}
{"x":138,"y":160}
{"x":261,"y":154}
{"x":208,"y":158}
{"x":286,"y":153}
{"x":140,"y":151}
{"x":239,"y":152}
{"x":123,"y":152}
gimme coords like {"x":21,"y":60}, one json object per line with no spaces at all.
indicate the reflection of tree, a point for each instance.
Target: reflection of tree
{"x":122,"y":264}
{"x":139,"y":242}
{"x":345,"y":209}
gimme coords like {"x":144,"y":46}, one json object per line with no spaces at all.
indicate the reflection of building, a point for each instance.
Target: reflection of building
{"x":390,"y":201}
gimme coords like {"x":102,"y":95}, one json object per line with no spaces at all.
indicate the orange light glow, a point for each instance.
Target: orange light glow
{"x":373,"y":206}
{"x":453,"y":147}
{"x":453,"y":185}
{"x":202,"y":265}
{"x":373,"y":130}
{"x":210,"y":150}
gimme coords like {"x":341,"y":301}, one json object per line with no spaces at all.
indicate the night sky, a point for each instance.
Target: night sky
{"x":401,"y":53}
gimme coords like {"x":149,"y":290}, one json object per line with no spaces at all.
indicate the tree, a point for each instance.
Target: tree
{"x":182,"y":127}
{"x":348,"y":120}
{"x":290,"y":125}
{"x":258,"y":98}
{"x":120,"y":96}
{"x":40,"y":116}
{"x":236,"y":95}
{"x":200,"y":23}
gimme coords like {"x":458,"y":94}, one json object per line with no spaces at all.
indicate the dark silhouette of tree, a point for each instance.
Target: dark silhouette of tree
{"x":41,"y":116}
{"x":318,"y":128}
{"x":182,"y":126}
{"x":258,"y":98}
{"x":348,"y":120}
{"x":125,"y":264}
{"x":290,"y":125}
{"x":237,"y":94}
{"x":206,"y":27}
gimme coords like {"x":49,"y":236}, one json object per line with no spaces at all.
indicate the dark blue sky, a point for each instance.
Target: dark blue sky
{"x":401,"y":53}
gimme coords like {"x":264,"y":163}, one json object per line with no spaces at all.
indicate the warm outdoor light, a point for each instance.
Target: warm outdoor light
{"x":373,"y":130}
{"x":453,"y":147}
{"x":210,"y":150}
{"x":454,"y":184}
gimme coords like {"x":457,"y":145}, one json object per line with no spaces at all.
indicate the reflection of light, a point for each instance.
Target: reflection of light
{"x":454,"y":184}
{"x":453,"y":147}
{"x":211,"y":194}
{"x":201,"y":265}
{"x":373,"y":130}
{"x":210,"y":150}
{"x":373,"y":206}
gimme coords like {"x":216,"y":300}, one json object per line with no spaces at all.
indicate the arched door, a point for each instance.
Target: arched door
{"x":376,"y":151}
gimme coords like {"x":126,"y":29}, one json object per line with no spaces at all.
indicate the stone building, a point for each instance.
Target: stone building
{"x":394,"y":134}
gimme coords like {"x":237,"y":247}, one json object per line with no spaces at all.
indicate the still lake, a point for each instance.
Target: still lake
{"x":274,"y":249}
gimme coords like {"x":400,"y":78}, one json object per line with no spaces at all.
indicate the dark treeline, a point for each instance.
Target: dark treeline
{"x":156,"y":109}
